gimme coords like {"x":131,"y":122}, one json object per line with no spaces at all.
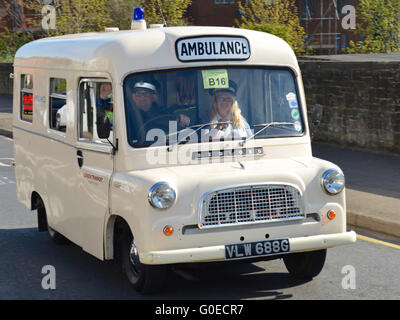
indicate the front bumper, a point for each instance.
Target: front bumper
{"x":217,"y":253}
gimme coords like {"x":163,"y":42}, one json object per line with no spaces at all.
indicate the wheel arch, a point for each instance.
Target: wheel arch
{"x":37,"y":203}
{"x":115,"y":228}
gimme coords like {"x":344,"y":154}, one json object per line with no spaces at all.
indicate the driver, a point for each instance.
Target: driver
{"x":152,"y":115}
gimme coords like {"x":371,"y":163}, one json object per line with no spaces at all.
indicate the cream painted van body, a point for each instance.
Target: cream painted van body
{"x":83,"y":203}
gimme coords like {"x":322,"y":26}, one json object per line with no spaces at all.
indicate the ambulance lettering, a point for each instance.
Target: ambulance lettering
{"x":213,"y":48}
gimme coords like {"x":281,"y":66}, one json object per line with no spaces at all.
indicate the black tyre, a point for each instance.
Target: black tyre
{"x":57,"y":237}
{"x":144,"y":278}
{"x":305,"y":265}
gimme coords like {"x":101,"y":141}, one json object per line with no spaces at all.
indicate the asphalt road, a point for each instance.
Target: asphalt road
{"x":364,"y":270}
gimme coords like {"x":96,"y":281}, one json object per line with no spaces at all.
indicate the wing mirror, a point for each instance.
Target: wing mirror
{"x":103,"y":127}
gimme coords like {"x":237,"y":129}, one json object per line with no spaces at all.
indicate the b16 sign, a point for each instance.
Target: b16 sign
{"x":212,"y":48}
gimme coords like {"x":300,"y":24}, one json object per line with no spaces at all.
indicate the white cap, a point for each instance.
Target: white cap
{"x":144,"y":85}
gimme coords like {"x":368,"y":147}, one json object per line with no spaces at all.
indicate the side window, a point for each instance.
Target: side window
{"x":95,"y":103}
{"x":58,"y":104}
{"x":26,"y":102}
{"x":284,"y":101}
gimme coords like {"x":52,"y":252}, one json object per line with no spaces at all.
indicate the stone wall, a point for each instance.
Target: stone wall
{"x":6,"y":84}
{"x":361,"y":102}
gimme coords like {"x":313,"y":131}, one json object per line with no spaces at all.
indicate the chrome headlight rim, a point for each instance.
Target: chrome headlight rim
{"x":162,"y":187}
{"x":329,"y":185}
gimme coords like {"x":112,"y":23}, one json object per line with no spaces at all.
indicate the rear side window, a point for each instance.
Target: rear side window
{"x":26,"y":102}
{"x":58,"y":104}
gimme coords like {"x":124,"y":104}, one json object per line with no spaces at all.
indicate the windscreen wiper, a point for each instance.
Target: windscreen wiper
{"x":197,"y":127}
{"x":264,"y":126}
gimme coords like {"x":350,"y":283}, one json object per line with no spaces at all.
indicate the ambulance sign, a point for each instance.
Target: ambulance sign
{"x":212,"y":48}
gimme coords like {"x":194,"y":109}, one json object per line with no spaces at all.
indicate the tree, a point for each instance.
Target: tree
{"x":278,"y":17}
{"x":378,"y":21}
{"x":11,"y":40}
{"x":74,"y":16}
{"x":121,"y":12}
{"x":172,"y":11}
{"x":77,"y":16}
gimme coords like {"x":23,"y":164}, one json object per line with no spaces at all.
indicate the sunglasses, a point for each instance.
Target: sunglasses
{"x":144,"y":93}
{"x":224,"y":99}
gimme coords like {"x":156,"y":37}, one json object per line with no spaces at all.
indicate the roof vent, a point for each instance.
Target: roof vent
{"x":158,"y":25}
{"x":113,"y":29}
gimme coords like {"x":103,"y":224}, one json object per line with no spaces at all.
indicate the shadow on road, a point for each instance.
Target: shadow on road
{"x":233,"y":282}
{"x":24,"y":252}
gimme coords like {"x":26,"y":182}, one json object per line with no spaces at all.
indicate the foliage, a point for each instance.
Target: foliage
{"x":172,"y":11}
{"x":379,"y":22}
{"x":76,"y":16}
{"x":73,"y":16}
{"x":10,"y":42}
{"x":121,"y":12}
{"x":278,"y":17}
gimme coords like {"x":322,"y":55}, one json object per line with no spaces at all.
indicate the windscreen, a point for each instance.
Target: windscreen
{"x":211,"y":104}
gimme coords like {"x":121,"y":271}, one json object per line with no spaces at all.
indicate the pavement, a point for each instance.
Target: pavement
{"x":372,"y":181}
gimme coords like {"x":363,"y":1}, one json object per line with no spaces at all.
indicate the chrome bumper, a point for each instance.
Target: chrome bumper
{"x":217,"y":253}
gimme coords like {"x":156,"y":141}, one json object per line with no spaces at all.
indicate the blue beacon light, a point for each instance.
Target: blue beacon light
{"x":138,"y":22}
{"x":138,"y":14}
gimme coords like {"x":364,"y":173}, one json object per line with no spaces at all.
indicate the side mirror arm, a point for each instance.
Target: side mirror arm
{"x":115,"y":147}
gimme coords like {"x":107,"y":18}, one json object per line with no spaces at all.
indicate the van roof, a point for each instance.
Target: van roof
{"x":129,"y":51}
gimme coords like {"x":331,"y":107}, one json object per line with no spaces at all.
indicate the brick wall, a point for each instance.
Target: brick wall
{"x":6,"y":84}
{"x":210,"y":13}
{"x":361,"y":102}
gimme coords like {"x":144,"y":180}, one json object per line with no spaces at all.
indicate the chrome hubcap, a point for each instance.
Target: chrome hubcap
{"x":134,"y":258}
{"x":51,"y":231}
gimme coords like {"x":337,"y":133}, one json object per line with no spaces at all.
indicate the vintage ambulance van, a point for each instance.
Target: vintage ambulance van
{"x":171,"y":146}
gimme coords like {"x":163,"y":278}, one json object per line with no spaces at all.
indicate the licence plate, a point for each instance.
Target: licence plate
{"x":255,"y":249}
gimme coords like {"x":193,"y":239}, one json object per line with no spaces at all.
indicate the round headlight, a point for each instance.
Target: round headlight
{"x":162,"y":195}
{"x":333,"y":181}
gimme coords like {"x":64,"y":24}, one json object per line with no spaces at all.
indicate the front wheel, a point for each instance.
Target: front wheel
{"x":305,"y":265}
{"x":144,"y":278}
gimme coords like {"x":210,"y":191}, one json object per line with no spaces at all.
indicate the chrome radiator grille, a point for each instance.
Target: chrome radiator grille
{"x":251,"y":204}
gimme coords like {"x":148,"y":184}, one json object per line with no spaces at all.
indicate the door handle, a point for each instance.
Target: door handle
{"x":79,"y":156}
